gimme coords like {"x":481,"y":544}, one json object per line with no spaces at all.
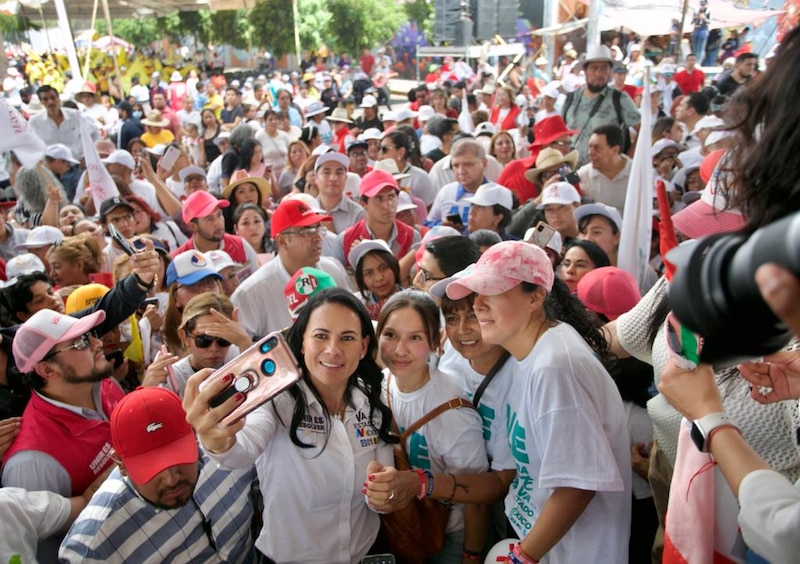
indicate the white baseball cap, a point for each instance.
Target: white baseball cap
{"x":60,"y":151}
{"x":121,"y":156}
{"x":490,"y":194}
{"x":24,"y":263}
{"x":42,"y":236}
{"x":357,"y":252}
{"x":332,"y":157}
{"x":373,"y":133}
{"x":368,"y":102}
{"x":559,"y":193}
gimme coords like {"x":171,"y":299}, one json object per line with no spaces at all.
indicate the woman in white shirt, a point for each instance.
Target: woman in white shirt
{"x":311,"y":444}
{"x":274,"y":142}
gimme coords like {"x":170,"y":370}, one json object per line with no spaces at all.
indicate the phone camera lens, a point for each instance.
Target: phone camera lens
{"x":268,"y":345}
{"x":268,"y":367}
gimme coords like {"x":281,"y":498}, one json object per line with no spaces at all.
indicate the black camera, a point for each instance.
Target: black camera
{"x":714,"y":292}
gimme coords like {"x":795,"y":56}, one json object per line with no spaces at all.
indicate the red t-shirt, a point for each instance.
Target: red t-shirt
{"x":690,"y":81}
{"x":367,"y":62}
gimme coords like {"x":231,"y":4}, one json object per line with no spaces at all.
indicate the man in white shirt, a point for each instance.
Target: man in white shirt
{"x":187,"y":114}
{"x":605,"y":177}
{"x":121,"y":163}
{"x":469,"y":163}
{"x":60,"y":125}
{"x":296,"y":229}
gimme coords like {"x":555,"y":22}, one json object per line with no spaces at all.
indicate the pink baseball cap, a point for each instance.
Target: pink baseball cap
{"x":375,"y":181}
{"x":44,"y":330}
{"x":708,"y":215}
{"x":502,"y":267}
{"x":201,"y":204}
{"x":609,"y":291}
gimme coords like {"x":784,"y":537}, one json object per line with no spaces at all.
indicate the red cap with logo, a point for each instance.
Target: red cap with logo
{"x":294,"y":213}
{"x":149,"y":433}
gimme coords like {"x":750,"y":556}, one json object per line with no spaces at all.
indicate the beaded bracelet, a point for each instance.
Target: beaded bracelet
{"x":518,"y":556}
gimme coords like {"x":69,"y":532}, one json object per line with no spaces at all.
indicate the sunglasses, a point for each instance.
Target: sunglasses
{"x":82,"y":344}
{"x":204,"y":341}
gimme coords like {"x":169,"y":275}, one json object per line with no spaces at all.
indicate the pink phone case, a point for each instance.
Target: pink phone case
{"x":542,"y":235}
{"x":261,"y":372}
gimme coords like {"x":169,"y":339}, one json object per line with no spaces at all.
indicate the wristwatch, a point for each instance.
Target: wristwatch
{"x":703,"y":428}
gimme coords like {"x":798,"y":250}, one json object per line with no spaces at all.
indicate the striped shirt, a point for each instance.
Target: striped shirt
{"x":118,"y":525}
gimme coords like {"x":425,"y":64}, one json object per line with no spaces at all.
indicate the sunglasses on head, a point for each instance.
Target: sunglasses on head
{"x":204,"y":341}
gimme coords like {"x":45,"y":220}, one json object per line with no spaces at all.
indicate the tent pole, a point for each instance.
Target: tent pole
{"x":107,"y":14}
{"x":63,"y":23}
{"x":700,"y":56}
{"x":91,"y":41}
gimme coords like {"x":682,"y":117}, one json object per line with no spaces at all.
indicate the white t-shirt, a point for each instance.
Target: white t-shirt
{"x":450,"y":443}
{"x":313,"y":507}
{"x":456,"y":369}
{"x":276,"y":149}
{"x":567,"y":429}
{"x":27,"y":518}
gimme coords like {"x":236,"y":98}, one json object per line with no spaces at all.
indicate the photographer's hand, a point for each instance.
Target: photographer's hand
{"x":781,"y":290}
{"x":780,"y":372}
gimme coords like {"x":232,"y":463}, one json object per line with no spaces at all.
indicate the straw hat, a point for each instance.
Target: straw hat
{"x":154,"y":119}
{"x":340,"y":114}
{"x":243,"y":177}
{"x":549,"y":158}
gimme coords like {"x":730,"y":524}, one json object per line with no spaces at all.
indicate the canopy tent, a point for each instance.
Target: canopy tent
{"x":82,"y":9}
{"x":648,"y":18}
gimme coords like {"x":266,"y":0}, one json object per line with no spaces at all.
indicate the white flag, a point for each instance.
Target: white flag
{"x":465,"y":123}
{"x":637,"y":224}
{"x":101,"y":185}
{"x":18,"y":136}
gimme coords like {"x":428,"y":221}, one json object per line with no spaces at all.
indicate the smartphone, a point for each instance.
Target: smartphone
{"x":115,"y":357}
{"x":378,"y":559}
{"x":260,"y":373}
{"x":123,"y":243}
{"x":542,"y":234}
{"x":454,"y":218}
{"x":147,"y":302}
{"x":569,"y":175}
{"x":300,"y":183}
{"x":170,"y":157}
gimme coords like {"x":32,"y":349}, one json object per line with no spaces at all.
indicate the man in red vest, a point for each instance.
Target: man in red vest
{"x":202,"y":214}
{"x":378,"y":193}
{"x":64,"y":442}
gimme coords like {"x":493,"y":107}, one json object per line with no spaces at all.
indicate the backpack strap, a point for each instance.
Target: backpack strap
{"x":567,"y":104}
{"x":616,"y":99}
{"x":499,"y":363}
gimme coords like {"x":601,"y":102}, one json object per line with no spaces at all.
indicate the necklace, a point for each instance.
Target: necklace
{"x":340,"y":413}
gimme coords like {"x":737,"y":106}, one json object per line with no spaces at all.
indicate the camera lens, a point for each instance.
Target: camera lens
{"x":268,"y":345}
{"x":268,"y":367}
{"x":714,"y":292}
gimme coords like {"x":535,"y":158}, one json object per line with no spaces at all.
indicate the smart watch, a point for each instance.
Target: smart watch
{"x":703,"y":428}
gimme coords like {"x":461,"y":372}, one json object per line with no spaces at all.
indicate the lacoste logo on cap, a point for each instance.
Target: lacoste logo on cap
{"x":152,"y":427}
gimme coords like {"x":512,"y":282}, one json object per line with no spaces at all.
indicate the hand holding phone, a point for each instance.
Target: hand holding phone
{"x":123,"y":243}
{"x":454,"y":219}
{"x":170,"y":158}
{"x":260,"y":373}
{"x":542,"y":234}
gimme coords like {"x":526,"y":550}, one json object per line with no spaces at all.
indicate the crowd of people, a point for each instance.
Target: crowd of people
{"x":463,"y":245}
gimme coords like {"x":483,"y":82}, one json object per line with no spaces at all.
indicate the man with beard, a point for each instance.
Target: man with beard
{"x":164,"y":502}
{"x":744,"y":69}
{"x":64,"y":440}
{"x":596,"y":103}
{"x":202,"y":214}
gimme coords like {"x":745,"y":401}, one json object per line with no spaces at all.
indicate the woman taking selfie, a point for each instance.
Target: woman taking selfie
{"x":311,"y":444}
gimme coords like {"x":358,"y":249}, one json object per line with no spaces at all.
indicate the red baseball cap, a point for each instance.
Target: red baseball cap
{"x":149,"y":432}
{"x":609,"y":291}
{"x":294,"y":213}
{"x":201,"y":204}
{"x":375,"y":181}
{"x":550,"y":129}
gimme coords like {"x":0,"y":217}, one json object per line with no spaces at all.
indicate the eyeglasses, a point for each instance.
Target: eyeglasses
{"x":83,"y":344}
{"x":309,"y":231}
{"x":385,"y":149}
{"x":427,"y":276}
{"x":204,"y":341}
{"x":547,"y":175}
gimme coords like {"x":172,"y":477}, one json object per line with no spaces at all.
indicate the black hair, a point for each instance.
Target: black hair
{"x":767,"y":129}
{"x":597,"y":255}
{"x":246,"y":153}
{"x":237,"y":215}
{"x":561,"y":305}
{"x":742,"y":57}
{"x":454,"y":253}
{"x":400,"y":140}
{"x":587,"y":218}
{"x":485,"y":238}
{"x":612,"y":133}
{"x":17,"y":295}
{"x":387,"y":257}
{"x":308,"y":134}
{"x":698,"y":101}
{"x":367,"y":377}
{"x":46,"y":88}
{"x":413,"y":153}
